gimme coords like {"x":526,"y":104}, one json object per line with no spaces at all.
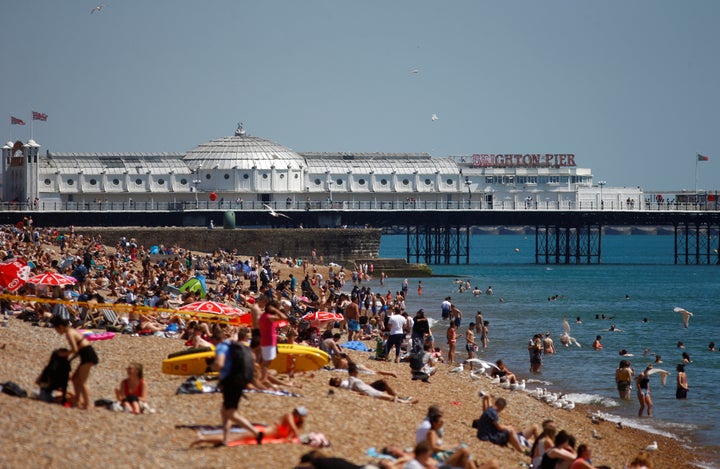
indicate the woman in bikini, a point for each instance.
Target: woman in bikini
{"x":133,"y":390}
{"x":287,"y":428}
{"x":79,"y":347}
{"x":643,"y":391}
{"x":623,"y":379}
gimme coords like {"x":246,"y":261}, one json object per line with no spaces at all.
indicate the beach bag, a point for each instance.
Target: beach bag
{"x":242,"y":366}
{"x":13,"y":389}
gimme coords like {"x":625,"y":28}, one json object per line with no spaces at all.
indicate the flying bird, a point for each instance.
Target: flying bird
{"x":434,"y":117}
{"x":274,"y":213}
{"x":663,"y":374}
{"x":97,"y":9}
{"x":415,"y":71}
{"x":686,"y":315}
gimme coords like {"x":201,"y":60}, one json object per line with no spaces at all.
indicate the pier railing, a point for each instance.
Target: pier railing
{"x":350,"y":205}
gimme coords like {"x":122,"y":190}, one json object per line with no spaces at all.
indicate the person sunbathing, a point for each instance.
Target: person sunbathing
{"x":287,"y":428}
{"x":379,"y":389}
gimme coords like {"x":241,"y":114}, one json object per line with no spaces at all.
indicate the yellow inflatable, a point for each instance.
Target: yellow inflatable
{"x":191,"y":362}
{"x":298,"y":358}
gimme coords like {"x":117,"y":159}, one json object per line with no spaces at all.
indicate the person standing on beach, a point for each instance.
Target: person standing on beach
{"x":682,"y":385}
{"x":272,"y":314}
{"x":396,"y":323}
{"x":470,"y":344}
{"x":452,"y":340}
{"x":352,"y":316}
{"x":643,"y":391}
{"x":79,"y":347}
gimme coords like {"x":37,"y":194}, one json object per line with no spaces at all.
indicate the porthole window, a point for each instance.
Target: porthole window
{"x":70,"y":182}
{"x":207,"y":176}
{"x":317,"y":182}
{"x":406,"y":182}
{"x":339,"y":182}
{"x":297,"y":176}
{"x":383,"y":182}
{"x":116,"y":182}
{"x":47,"y":182}
{"x":265,"y":176}
{"x":183,"y":181}
{"x":246,"y":176}
{"x":93,"y":182}
{"x":282,"y":176}
{"x":428,"y":182}
{"x":450,"y":182}
{"x":361,"y":182}
{"x":161,"y":181}
{"x":226,"y":176}
{"x":138,"y":181}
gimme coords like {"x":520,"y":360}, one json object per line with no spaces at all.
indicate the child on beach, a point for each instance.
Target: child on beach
{"x":132,"y":392}
{"x":79,"y":346}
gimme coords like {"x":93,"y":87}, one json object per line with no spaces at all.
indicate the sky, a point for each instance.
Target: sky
{"x":631,"y":88}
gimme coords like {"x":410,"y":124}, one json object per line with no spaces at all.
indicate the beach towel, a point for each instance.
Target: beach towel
{"x":356,"y":345}
{"x":243,"y":437}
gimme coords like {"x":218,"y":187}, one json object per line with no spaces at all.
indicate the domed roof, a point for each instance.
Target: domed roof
{"x":242,"y":151}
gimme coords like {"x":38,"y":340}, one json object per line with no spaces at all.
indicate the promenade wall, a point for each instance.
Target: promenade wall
{"x":334,"y":245}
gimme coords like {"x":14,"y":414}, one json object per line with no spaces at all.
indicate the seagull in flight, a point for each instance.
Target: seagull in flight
{"x":97,"y":9}
{"x":274,"y":213}
{"x":415,"y":71}
{"x":686,"y":315}
{"x":434,"y":117}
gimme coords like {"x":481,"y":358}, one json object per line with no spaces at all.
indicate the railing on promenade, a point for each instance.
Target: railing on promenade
{"x":350,"y":205}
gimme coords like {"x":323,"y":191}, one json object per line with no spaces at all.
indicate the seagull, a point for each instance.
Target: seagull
{"x":434,"y":117}
{"x":415,"y":70}
{"x":518,"y":386}
{"x":596,"y":434}
{"x":663,"y":374}
{"x":274,"y":213}
{"x":652,"y":447}
{"x":97,"y":9}
{"x":686,"y":315}
{"x":457,"y":369}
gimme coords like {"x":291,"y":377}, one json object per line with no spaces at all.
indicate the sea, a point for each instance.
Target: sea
{"x":636,"y":280}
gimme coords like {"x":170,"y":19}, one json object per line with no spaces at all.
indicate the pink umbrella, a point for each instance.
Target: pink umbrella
{"x":236,"y":315}
{"x":53,"y":279}
{"x":318,"y":318}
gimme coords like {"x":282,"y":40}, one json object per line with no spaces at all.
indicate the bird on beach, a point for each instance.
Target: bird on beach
{"x":97,"y":9}
{"x":652,"y":447}
{"x":274,"y":213}
{"x":686,"y":315}
{"x":596,"y":434}
{"x":457,"y":369}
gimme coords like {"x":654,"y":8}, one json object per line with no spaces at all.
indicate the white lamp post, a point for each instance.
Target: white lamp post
{"x":601,"y":184}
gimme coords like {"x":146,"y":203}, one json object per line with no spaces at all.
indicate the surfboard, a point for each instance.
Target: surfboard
{"x":298,"y":358}
{"x":191,"y":362}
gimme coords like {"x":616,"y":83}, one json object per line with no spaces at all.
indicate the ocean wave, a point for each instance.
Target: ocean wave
{"x":634,"y":423}
{"x":592,"y":399}
{"x":538,"y":381}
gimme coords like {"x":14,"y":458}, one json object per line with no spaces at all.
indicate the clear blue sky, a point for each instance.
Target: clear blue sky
{"x":631,"y":87}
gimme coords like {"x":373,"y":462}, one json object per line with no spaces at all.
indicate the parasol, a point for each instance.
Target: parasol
{"x":53,"y":279}
{"x":235,"y":315}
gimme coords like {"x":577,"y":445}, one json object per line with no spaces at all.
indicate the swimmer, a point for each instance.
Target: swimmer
{"x":627,"y":297}
{"x":624,"y":353}
{"x":613,"y":328}
{"x":711,"y":347}
{"x":658,"y":359}
{"x":578,"y":320}
{"x":686,"y":357}
{"x":680,"y":344}
{"x":597,"y":345}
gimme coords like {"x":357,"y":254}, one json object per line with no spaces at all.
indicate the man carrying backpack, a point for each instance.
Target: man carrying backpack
{"x":236,"y":366}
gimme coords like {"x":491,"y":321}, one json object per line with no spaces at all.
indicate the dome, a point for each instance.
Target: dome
{"x":242,"y":151}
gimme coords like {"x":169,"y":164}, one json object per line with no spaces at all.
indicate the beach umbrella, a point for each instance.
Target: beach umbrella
{"x":318,"y":318}
{"x":52,"y":279}
{"x":234,"y":314}
{"x":14,"y":274}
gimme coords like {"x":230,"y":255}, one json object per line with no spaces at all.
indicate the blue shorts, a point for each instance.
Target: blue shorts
{"x":353,"y":325}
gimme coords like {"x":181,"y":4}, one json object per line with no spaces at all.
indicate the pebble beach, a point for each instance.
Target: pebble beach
{"x":49,"y":435}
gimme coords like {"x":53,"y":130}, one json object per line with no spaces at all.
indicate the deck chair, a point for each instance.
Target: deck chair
{"x":110,"y":317}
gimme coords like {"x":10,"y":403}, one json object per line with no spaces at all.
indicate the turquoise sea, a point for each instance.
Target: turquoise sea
{"x":639,"y":266}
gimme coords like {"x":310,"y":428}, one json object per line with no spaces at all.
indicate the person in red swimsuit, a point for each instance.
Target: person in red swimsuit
{"x":133,"y":390}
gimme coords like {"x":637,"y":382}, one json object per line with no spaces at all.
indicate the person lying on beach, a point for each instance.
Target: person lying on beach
{"x":424,"y":458}
{"x":342,"y":362}
{"x":287,"y":427}
{"x":379,"y":389}
{"x":316,"y":459}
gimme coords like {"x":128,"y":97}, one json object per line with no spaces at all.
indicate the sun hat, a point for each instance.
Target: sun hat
{"x":301,"y":411}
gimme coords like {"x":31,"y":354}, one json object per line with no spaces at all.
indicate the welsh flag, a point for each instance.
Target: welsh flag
{"x":702,"y":157}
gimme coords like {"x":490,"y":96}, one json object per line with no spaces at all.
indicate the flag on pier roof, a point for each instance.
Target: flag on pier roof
{"x":15,"y":121}
{"x":39,"y":116}
{"x":703,"y":157}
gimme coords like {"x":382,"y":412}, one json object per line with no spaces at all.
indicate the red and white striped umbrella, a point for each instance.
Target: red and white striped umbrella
{"x":236,"y":315}
{"x":53,"y":279}
{"x":318,"y":318}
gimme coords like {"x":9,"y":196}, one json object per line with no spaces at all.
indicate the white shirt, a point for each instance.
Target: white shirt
{"x":422,"y":431}
{"x":396,"y":323}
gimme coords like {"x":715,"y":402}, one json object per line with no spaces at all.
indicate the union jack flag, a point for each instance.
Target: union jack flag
{"x":16,"y":121}
{"x":39,"y":116}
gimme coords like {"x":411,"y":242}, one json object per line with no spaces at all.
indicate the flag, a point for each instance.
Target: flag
{"x":16,"y":121}
{"x":39,"y":116}
{"x":702,"y":157}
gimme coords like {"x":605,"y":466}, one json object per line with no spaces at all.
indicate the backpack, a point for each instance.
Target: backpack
{"x":13,"y":389}
{"x":242,"y":366}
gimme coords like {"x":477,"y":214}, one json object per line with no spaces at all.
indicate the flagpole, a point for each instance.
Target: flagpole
{"x":31,"y":138}
{"x":696,"y":163}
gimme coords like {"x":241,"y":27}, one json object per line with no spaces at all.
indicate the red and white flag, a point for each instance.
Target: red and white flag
{"x":15,"y":121}
{"x":39,"y":116}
